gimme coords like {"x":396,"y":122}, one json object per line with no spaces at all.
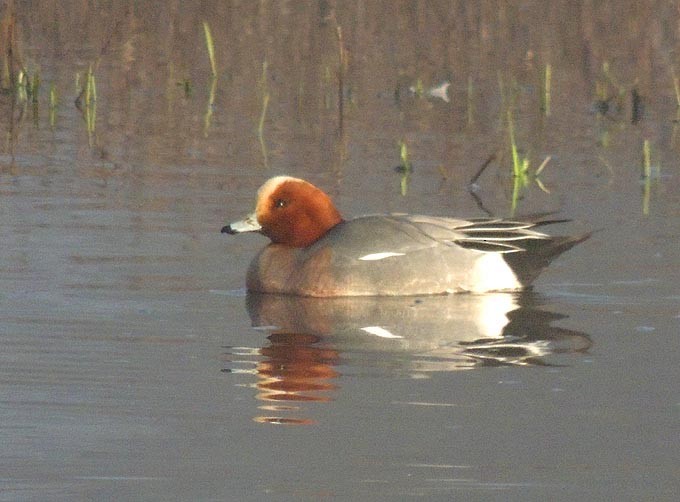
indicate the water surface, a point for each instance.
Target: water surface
{"x":135,"y":366}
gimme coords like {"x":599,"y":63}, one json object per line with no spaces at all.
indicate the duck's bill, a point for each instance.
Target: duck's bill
{"x":249,"y":224}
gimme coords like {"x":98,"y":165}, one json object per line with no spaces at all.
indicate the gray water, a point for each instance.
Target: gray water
{"x":134,"y":365}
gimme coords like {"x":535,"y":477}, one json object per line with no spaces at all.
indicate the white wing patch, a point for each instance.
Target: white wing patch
{"x":379,"y":256}
{"x":381,"y":332}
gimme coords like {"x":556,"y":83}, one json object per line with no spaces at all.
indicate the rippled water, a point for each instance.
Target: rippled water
{"x":134,"y":365}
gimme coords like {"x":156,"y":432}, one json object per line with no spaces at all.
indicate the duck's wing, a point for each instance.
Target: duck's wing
{"x":490,"y":235}
{"x":525,"y":250}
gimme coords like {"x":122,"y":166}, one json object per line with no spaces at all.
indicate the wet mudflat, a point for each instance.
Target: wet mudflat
{"x":134,"y":366}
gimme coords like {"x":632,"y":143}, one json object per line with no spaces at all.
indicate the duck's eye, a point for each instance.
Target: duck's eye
{"x":280,"y":203}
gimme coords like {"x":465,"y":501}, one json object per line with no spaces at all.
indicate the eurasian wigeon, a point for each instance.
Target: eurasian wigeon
{"x":315,"y":252}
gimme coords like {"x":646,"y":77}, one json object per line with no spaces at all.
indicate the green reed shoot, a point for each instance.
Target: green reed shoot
{"x":676,"y":121}
{"x":260,"y":129}
{"x":521,"y":175}
{"x":264,"y":90}
{"x":12,"y":65}
{"x":5,"y":74}
{"x":405,"y":167}
{"x":54,"y":99}
{"x":301,"y":90}
{"x":520,"y":165}
{"x":509,"y":92}
{"x":90,"y":103}
{"x":210,"y":45}
{"x":326,"y":80}
{"x":650,"y":172}
{"x":263,"y":114}
{"x":22,"y":87}
{"x":646,"y":176}
{"x":343,"y":61}
{"x":501,"y":87}
{"x":646,"y":159}
{"x":546,"y":96}
{"x":33,"y":91}
{"x":516,"y":188}
{"x":26,"y":88}
{"x":87,"y":100}
{"x":90,"y":89}
{"x":207,"y":117}
{"x":606,"y":89}
{"x":35,"y":87}
{"x":187,"y":87}
{"x":470,"y":101}
{"x":403,"y":156}
{"x":265,"y":98}
{"x":601,"y":93}
{"x":676,"y":86}
{"x":419,"y":88}
{"x":606,"y":70}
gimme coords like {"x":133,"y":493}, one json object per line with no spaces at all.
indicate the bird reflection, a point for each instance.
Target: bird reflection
{"x":293,"y":369}
{"x":308,"y":337}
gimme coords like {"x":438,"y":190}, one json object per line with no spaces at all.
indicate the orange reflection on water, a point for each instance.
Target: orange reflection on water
{"x":294,"y":369}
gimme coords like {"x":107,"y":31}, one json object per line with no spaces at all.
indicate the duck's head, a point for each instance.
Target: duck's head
{"x":289,"y":211}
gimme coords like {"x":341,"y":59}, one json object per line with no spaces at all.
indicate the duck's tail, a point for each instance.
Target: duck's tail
{"x":537,"y":254}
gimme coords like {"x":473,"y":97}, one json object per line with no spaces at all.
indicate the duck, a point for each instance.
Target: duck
{"x":315,"y":252}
